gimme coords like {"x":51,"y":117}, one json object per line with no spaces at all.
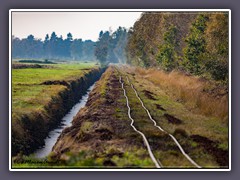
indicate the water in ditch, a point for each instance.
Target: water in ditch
{"x":65,"y":122}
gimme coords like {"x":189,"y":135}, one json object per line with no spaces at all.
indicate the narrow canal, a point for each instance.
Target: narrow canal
{"x":65,"y":122}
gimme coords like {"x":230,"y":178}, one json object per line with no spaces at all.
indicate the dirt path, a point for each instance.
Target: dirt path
{"x":157,"y":163}
{"x":155,"y":124}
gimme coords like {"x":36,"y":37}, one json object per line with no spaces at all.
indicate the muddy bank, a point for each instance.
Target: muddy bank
{"x":66,"y":121}
{"x":102,"y":127}
{"x":29,"y":132}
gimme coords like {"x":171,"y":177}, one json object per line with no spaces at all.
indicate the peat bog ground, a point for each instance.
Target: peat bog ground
{"x":105,"y":133}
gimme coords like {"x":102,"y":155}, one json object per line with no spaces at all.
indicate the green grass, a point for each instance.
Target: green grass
{"x":29,"y":95}
{"x":192,"y":123}
{"x":155,"y":137}
{"x":132,"y":160}
{"x":27,"y":99}
{"x":76,"y":65}
{"x":55,"y":72}
{"x":87,"y":159}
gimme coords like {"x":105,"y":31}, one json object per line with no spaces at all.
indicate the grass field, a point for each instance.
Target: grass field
{"x":28,"y":92}
{"x":41,"y":96}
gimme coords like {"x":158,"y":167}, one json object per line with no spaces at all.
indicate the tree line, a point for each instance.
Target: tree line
{"x":196,"y":43}
{"x":110,"y":47}
{"x":53,"y":47}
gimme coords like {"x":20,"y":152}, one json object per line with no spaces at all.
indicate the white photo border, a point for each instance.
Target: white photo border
{"x":116,"y":10}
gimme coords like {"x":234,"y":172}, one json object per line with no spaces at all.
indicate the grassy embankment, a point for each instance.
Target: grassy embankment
{"x":41,"y":96}
{"x":193,"y":110}
{"x":164,"y":149}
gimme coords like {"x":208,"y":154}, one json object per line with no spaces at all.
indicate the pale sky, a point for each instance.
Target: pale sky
{"x":85,"y":25}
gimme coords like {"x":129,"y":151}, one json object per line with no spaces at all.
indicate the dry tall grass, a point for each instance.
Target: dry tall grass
{"x":197,"y":94}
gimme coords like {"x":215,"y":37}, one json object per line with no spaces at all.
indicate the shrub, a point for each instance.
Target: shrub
{"x":167,"y":55}
{"x":196,"y":45}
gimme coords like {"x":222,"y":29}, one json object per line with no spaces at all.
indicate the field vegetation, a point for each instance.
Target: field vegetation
{"x":203,"y":133}
{"x":198,"y":94}
{"x":41,"y":96}
{"x":29,"y":91}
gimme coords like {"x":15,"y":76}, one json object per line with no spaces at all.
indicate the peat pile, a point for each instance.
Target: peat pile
{"x":30,"y":130}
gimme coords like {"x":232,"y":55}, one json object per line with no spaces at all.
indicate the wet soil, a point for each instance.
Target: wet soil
{"x":160,"y":107}
{"x":173,"y":120}
{"x":149,"y":95}
{"x":24,"y":66}
{"x":162,"y":143}
{"x":180,"y":132}
{"x":220,"y":155}
{"x":64,"y":83}
{"x":104,"y":133}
